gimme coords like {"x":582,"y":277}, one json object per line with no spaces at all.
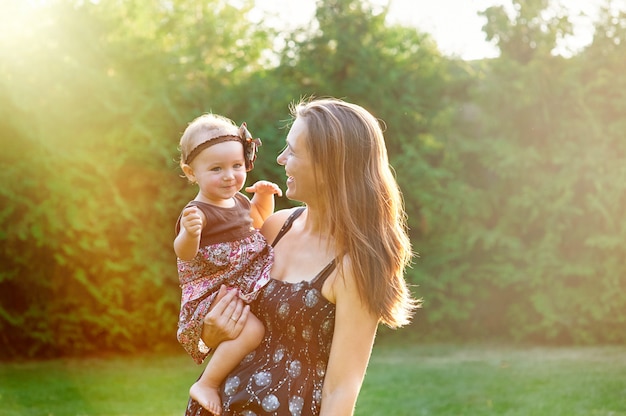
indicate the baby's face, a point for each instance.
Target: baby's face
{"x":220,"y":172}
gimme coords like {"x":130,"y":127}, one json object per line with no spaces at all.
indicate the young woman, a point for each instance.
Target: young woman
{"x":338,"y":271}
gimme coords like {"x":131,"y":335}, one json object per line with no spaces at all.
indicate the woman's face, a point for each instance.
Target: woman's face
{"x":298,"y":165}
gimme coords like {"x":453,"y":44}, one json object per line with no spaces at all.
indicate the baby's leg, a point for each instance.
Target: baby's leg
{"x":225,"y":358}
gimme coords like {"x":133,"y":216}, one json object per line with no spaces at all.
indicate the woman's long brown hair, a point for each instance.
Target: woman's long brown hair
{"x":363,"y":202}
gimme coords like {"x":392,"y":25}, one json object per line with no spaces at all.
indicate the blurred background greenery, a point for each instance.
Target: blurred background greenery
{"x":513,"y":169}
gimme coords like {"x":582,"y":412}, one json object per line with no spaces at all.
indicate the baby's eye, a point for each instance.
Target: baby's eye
{"x":216,"y":169}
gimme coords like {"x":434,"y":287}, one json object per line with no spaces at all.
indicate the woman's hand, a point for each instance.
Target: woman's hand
{"x":226,"y":318}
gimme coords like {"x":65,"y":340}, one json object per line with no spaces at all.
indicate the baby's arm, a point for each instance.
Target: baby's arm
{"x":187,"y":241}
{"x":263,"y":201}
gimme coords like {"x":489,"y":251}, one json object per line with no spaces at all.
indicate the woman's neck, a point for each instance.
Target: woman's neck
{"x":314,"y":222}
{"x":315,"y":229}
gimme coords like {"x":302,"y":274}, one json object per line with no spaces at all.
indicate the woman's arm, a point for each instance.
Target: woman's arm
{"x":355,"y":330}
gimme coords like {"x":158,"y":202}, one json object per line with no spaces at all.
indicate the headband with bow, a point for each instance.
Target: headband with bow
{"x":250,"y":146}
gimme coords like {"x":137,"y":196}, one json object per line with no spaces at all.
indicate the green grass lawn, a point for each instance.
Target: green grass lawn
{"x":401,"y":380}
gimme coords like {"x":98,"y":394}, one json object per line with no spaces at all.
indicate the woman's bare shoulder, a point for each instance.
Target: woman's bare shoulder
{"x":274,"y":223}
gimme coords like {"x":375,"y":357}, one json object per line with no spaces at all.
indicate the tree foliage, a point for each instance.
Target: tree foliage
{"x":531,"y":248}
{"x":92,"y":192}
{"x":511,"y":169}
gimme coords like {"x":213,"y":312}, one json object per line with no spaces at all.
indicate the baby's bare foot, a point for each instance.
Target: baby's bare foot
{"x":207,"y":396}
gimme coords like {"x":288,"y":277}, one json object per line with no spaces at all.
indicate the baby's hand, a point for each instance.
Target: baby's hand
{"x":192,"y":221}
{"x":265,"y":187}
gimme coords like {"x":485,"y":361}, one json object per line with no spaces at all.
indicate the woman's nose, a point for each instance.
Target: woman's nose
{"x":281,"y":158}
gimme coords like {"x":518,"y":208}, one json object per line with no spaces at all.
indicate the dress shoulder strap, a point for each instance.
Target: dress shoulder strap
{"x":287,"y":225}
{"x":321,"y":277}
